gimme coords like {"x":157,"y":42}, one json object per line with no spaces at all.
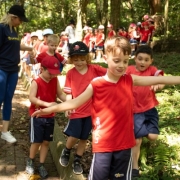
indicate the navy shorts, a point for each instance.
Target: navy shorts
{"x":79,"y":128}
{"x":99,"y":48}
{"x":133,"y":41}
{"x":146,"y":123}
{"x":41,"y":129}
{"x":111,"y":165}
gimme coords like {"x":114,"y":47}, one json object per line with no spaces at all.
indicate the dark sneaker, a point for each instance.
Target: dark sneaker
{"x":42,"y":172}
{"x":64,"y":159}
{"x":77,"y":168}
{"x":135,"y":173}
{"x":30,"y":166}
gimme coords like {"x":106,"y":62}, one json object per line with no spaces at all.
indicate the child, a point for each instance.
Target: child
{"x":132,"y":34}
{"x":43,"y":46}
{"x":111,"y":32}
{"x":79,"y":125}
{"x":145,"y":34}
{"x":112,"y":112}
{"x":145,"y":114}
{"x":122,"y":32}
{"x":52,"y":44}
{"x":99,"y":43}
{"x":86,"y":38}
{"x":43,"y":93}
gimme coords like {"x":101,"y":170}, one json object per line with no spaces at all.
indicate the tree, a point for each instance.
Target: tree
{"x":115,"y":13}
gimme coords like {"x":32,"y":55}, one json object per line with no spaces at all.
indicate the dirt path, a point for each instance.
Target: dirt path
{"x":13,"y":157}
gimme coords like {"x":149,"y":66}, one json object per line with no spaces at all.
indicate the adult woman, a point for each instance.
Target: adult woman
{"x":9,"y":59}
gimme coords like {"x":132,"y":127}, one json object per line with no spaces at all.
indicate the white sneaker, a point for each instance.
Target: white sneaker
{"x":7,"y":136}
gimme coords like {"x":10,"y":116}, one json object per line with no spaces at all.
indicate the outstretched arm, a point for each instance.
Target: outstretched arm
{"x":67,"y":105}
{"x":153,"y":80}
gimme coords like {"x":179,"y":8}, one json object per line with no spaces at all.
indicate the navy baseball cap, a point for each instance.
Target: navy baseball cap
{"x":78,"y":48}
{"x":18,"y":11}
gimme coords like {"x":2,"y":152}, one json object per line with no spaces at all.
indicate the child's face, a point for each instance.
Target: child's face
{"x":80,"y":63}
{"x":117,"y":63}
{"x":52,"y":46}
{"x":143,"y":61}
{"x":47,"y":75}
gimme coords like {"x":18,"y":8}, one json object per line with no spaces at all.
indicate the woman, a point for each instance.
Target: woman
{"x":9,"y":59}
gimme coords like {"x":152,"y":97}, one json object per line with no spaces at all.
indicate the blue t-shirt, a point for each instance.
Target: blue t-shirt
{"x":9,"y":49}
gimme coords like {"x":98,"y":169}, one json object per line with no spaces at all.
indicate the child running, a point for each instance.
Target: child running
{"x":43,"y":93}
{"x":79,"y":125}
{"x":112,"y":112}
{"x":145,"y":114}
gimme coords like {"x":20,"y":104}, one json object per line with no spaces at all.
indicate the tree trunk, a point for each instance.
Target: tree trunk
{"x":102,"y":11}
{"x":78,"y":31}
{"x":156,"y":11}
{"x":84,"y":4}
{"x":115,"y":13}
{"x":166,"y":9}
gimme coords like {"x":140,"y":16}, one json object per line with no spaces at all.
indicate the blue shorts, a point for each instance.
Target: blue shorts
{"x":41,"y":129}
{"x":111,"y":165}
{"x":133,"y":41}
{"x":146,"y":123}
{"x":79,"y":128}
{"x":99,"y":48}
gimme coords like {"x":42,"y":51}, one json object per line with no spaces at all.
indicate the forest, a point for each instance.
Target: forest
{"x":57,"y":13}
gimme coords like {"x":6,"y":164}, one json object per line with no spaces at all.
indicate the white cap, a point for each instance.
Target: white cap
{"x":101,"y":27}
{"x":85,"y":28}
{"x":34,"y":34}
{"x":39,"y":33}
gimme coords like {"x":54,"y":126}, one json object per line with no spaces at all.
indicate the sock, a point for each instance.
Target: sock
{"x":30,"y":159}
{"x":67,"y":150}
{"x":77,"y":158}
{"x":41,"y":164}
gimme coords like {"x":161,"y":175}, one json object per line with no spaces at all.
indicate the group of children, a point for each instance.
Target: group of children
{"x":140,"y":33}
{"x":44,"y":43}
{"x":117,"y":104}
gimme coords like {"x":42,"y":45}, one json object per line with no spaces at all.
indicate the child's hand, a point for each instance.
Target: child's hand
{"x":37,"y":113}
{"x":69,"y":112}
{"x":157,"y":87}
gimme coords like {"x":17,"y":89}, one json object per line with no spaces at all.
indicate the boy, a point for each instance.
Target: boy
{"x":112,"y":112}
{"x":79,"y":125}
{"x":145,"y":114}
{"x":43,"y":93}
{"x":52,"y":44}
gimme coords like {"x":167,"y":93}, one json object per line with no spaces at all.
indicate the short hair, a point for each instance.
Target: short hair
{"x":114,"y":44}
{"x":144,"y":49}
{"x":86,"y":57}
{"x":53,"y":38}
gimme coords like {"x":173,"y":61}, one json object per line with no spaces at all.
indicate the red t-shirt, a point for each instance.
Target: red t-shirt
{"x":87,"y":39}
{"x":76,"y":83}
{"x":42,"y":48}
{"x":112,"y":115}
{"x":144,"y":97}
{"x":111,"y":34}
{"x":41,"y":56}
{"x":45,"y":92}
{"x":123,"y":33}
{"x":144,"y":35}
{"x":99,"y":37}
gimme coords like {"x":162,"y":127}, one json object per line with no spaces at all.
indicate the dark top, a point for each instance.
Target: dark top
{"x":9,"y":49}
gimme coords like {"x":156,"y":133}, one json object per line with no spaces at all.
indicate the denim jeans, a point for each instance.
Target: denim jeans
{"x":8,"y":82}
